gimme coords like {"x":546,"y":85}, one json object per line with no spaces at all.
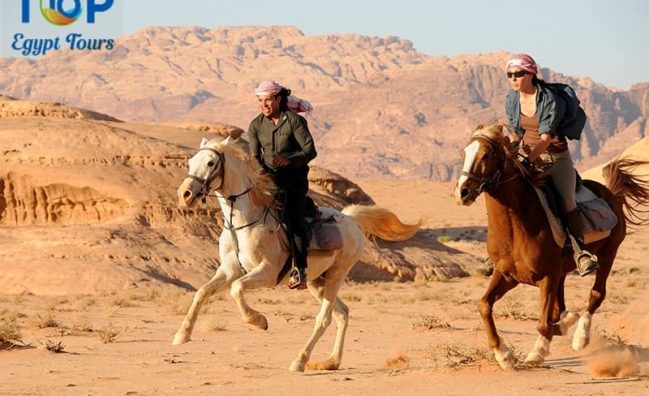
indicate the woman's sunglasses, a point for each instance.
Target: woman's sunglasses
{"x":517,"y":74}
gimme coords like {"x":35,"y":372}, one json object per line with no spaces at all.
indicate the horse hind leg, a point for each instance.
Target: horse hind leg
{"x":219,"y":281}
{"x":581,"y":338}
{"x":498,"y":287}
{"x":333,"y":281}
{"x":340,"y":316}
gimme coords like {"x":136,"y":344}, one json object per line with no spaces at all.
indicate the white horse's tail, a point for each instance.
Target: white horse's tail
{"x":381,"y":222}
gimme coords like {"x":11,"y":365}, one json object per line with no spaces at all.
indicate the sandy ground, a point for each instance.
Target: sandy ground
{"x":403,"y":338}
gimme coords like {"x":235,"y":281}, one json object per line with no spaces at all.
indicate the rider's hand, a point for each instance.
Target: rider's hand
{"x":281,"y":161}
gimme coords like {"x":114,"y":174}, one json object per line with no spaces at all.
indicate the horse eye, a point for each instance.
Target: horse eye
{"x":210,"y":164}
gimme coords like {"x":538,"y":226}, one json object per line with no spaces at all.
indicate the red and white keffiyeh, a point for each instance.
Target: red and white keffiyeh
{"x":271,"y":88}
{"x":525,"y":62}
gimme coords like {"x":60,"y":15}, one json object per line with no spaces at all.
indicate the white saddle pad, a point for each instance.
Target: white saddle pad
{"x":583,"y":194}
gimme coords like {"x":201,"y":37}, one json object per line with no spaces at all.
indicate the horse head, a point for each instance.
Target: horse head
{"x":206,"y":172}
{"x":484,"y":161}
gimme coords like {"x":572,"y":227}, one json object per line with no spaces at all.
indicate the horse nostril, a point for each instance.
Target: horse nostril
{"x":187,"y":194}
{"x":464,"y":192}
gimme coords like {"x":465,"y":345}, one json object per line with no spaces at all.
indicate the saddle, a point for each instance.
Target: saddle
{"x":326,"y":235}
{"x":597,"y":216}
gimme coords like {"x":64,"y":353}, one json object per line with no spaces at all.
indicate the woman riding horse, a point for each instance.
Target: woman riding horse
{"x":521,"y":243}
{"x":534,"y":113}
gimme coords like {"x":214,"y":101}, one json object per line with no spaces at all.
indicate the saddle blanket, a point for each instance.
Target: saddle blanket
{"x":597,"y":216}
{"x":326,"y":234}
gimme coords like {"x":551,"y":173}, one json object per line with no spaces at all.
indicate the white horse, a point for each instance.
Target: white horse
{"x":253,"y":253}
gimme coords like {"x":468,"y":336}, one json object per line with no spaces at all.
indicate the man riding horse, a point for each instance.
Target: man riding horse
{"x":282,"y":144}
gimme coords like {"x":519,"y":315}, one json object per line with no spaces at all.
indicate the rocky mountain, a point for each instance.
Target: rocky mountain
{"x":382,"y":109}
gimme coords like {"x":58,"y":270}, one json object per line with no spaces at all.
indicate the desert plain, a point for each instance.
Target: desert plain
{"x":405,"y":337}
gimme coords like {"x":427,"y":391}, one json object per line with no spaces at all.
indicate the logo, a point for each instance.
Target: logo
{"x":66,"y":12}
{"x":56,"y":15}
{"x":33,"y":28}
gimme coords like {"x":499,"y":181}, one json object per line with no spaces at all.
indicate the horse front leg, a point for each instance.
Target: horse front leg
{"x":548,"y":290}
{"x":219,"y":281}
{"x":562,"y":319}
{"x":498,"y":287}
{"x":259,"y":277}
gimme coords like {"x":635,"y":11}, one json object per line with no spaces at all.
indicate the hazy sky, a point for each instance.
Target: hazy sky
{"x":607,"y":40}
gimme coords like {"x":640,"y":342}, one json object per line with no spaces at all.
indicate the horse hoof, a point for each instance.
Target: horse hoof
{"x":504,"y":357}
{"x":534,"y":358}
{"x":327,"y":364}
{"x":180,"y":338}
{"x":296,"y":367}
{"x":568,"y":319}
{"x":581,"y":337}
{"x":261,"y":322}
{"x":579,"y":343}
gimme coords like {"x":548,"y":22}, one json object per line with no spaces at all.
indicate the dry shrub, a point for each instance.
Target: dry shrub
{"x":149,"y":295}
{"x":268,"y":301}
{"x":9,"y":330}
{"x":56,"y":347}
{"x":396,"y":361}
{"x":514,"y":310}
{"x":108,"y":334}
{"x":46,"y":321}
{"x":122,"y":302}
{"x":455,"y":355}
{"x":352,"y":297}
{"x":429,"y":322}
{"x":83,"y":327}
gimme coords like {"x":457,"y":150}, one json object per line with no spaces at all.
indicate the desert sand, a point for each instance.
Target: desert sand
{"x":403,"y":338}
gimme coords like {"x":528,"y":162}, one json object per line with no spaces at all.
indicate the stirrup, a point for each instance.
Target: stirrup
{"x":590,"y":261}
{"x":297,"y":279}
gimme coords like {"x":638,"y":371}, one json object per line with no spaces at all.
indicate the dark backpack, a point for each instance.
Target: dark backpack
{"x":574,"y":117}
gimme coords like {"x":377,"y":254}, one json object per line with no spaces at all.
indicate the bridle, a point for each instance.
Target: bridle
{"x":489,"y":183}
{"x":217,"y":172}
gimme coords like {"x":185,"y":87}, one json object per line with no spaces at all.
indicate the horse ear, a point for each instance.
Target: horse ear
{"x":203,"y":143}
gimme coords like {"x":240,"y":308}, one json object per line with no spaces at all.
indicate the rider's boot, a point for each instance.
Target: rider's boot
{"x":586,"y":262}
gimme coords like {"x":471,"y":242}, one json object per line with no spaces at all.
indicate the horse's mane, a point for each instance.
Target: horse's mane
{"x":494,"y":135}
{"x":263,"y":186}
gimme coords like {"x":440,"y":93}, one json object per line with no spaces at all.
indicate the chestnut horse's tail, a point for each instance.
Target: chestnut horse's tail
{"x":380,"y":222}
{"x":631,"y":188}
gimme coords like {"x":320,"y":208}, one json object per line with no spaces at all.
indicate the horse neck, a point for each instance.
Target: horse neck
{"x":242,"y":209}
{"x":512,"y":202}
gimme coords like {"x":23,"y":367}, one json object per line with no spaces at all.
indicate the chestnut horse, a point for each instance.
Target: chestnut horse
{"x":520,"y":241}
